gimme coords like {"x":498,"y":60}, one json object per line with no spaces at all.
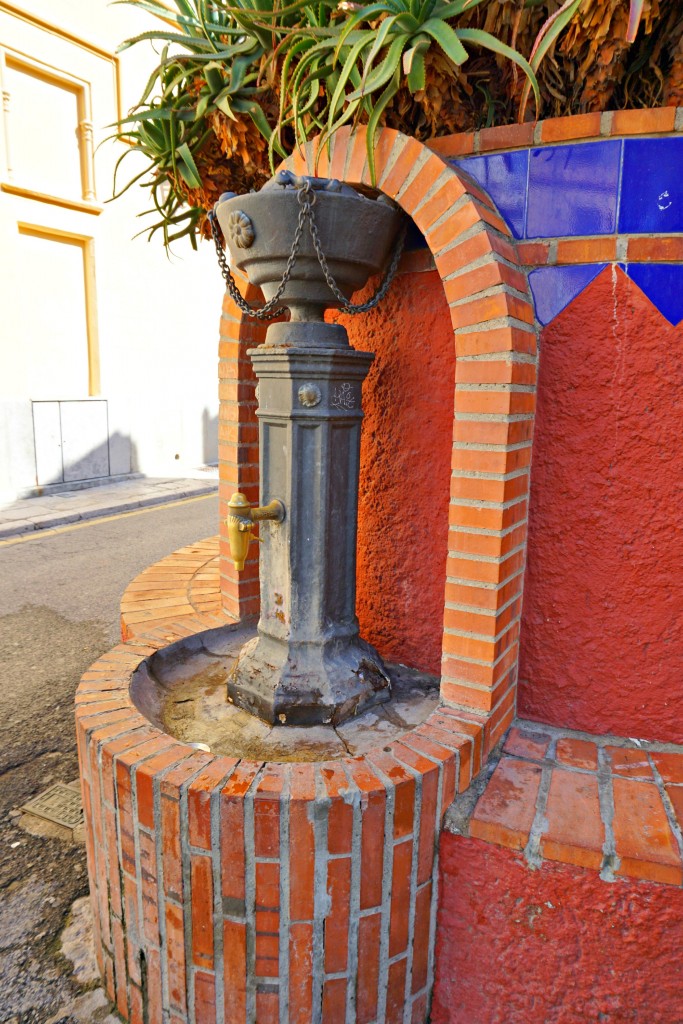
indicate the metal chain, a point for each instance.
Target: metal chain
{"x":270,"y":309}
{"x":306,"y":198}
{"x":346,"y":305}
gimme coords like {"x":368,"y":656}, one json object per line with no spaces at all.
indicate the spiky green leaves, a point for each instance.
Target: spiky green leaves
{"x":331,"y":63}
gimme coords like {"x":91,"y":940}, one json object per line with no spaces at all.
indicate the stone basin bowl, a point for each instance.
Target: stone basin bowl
{"x":357,"y":235}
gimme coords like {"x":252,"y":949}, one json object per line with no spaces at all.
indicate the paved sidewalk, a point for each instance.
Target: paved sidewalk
{"x":48,"y":511}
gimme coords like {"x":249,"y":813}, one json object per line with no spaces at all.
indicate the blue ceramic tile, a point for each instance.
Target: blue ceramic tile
{"x":663,"y":285}
{"x":553,"y":288}
{"x":652,"y":186}
{"x":503,"y":176}
{"x":573,"y":189}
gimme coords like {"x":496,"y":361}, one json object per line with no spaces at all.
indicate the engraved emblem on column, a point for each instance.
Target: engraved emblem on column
{"x":343,"y":397}
{"x":309,"y":395}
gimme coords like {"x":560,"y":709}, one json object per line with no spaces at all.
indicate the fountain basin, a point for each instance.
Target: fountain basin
{"x":357,"y":232}
{"x":182,"y":690}
{"x":267,"y":887}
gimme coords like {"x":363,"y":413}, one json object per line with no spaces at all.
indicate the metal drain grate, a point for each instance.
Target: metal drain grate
{"x":60,"y":804}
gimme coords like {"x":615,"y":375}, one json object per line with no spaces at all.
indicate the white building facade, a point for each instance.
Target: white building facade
{"x":108,"y":347}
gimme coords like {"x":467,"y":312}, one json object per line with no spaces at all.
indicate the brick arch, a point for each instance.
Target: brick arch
{"x":495,"y":346}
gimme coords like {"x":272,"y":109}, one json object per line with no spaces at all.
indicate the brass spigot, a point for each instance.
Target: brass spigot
{"x":241,"y":524}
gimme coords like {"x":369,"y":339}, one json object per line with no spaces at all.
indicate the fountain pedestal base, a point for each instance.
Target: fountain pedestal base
{"x":231,"y":890}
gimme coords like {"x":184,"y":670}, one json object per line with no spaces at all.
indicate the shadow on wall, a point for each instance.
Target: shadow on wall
{"x":406,"y":445}
{"x":61,"y":464}
{"x":209,"y":438}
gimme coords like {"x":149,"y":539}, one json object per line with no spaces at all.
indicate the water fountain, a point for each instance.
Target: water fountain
{"x":261,"y":809}
{"x":308,"y":663}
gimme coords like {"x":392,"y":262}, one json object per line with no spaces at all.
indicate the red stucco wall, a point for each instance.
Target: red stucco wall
{"x":553,"y":946}
{"x":602,"y":630}
{"x":405,"y":469}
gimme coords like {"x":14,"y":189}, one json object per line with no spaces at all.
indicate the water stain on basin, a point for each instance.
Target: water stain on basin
{"x":182,"y":690}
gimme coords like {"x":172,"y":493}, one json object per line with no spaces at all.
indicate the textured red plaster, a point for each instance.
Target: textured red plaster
{"x":552,"y":946}
{"x":602,"y":633}
{"x":405,"y":469}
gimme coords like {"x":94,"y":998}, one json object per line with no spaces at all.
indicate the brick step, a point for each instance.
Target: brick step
{"x":610,"y":804}
{"x":182,"y":588}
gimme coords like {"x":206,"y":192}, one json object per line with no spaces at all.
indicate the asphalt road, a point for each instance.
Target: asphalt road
{"x":59,"y":611}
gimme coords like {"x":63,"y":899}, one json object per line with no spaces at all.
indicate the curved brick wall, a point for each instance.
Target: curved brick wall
{"x":227,"y":892}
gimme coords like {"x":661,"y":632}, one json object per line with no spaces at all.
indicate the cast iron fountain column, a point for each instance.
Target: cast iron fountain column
{"x":308,"y":663}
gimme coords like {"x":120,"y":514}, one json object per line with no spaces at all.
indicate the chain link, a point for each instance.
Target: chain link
{"x":350,"y":307}
{"x":270,"y":310}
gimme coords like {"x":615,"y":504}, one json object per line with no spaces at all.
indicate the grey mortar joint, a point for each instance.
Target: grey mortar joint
{"x":353,"y":797}
{"x":532,"y":850}
{"x":284,"y":899}
{"x":186,"y":895}
{"x":163,"y":937}
{"x":387,"y":878}
{"x":215,"y":818}
{"x":250,"y":895}
{"x":668,"y":806}
{"x":422,"y":159}
{"x":610,"y":860}
{"x":442,"y":180}
{"x":321,"y":904}
{"x":417,"y":819}
{"x":434,"y":906}
{"x":138,"y":866}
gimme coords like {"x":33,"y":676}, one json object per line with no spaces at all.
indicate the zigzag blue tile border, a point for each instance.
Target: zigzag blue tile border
{"x":553,"y":288}
{"x":633,"y":186}
{"x":663,"y":285}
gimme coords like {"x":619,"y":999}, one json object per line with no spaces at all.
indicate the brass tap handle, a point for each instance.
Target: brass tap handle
{"x":240,"y":523}
{"x":273,"y":510}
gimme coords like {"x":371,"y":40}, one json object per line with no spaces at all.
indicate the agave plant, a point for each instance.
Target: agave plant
{"x":364,"y":60}
{"x":205,"y":117}
{"x":241,"y":83}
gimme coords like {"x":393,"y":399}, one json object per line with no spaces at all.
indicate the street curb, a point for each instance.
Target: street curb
{"x":64,"y":519}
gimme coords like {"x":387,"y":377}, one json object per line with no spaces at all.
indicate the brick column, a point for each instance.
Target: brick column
{"x":238,"y":455}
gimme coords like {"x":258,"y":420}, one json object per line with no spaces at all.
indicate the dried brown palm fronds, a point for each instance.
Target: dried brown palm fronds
{"x":590,"y":67}
{"x":673,"y":87}
{"x":233,"y":158}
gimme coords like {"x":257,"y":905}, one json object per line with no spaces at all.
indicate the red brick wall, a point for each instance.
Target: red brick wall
{"x":602,"y":629}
